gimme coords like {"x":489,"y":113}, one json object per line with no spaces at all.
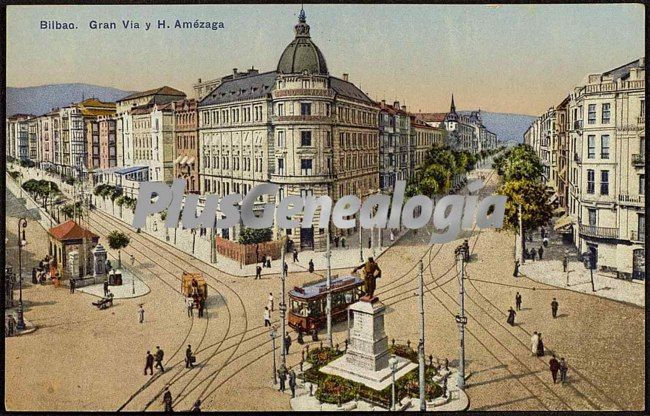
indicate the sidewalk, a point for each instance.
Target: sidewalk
{"x":29,"y":327}
{"x":130,"y":288}
{"x":550,"y":272}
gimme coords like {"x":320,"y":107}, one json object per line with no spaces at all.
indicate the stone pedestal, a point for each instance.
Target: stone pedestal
{"x":366,"y":360}
{"x":99,"y":260}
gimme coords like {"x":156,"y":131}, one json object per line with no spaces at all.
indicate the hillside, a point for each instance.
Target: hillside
{"x":41,"y":99}
{"x":506,"y":126}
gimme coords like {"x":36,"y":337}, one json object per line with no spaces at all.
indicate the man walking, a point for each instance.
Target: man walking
{"x":271,"y":301}
{"x":159,"y":357}
{"x":287,"y":342}
{"x":565,"y":263}
{"x":518,"y":301}
{"x":73,"y":284}
{"x":258,"y":272}
{"x":540,"y":252}
{"x":141,"y":314}
{"x":533,"y":253}
{"x":295,"y":255}
{"x":189,"y":304}
{"x":516,"y":272}
{"x":148,"y":363}
{"x":167,"y":400}
{"x":106,"y":288}
{"x":311,"y":266}
{"x":282,"y":376}
{"x":554,"y":306}
{"x":201,"y":307}
{"x":286,"y":268}
{"x":554,"y":366}
{"x":292,"y":383}
{"x":267,"y":317}
{"x":188,"y":357}
{"x":564,"y":367}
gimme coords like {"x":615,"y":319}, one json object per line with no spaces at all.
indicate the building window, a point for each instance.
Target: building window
{"x":591,"y":181}
{"x":281,"y":166}
{"x":592,"y":217}
{"x":641,"y":225}
{"x":591,"y":115}
{"x":305,"y":109}
{"x":306,"y":167}
{"x":606,"y":113}
{"x":604,"y":182}
{"x":642,"y":112}
{"x":305,"y":83}
{"x":281,"y":139}
{"x":591,"y":147}
{"x":280,"y":109}
{"x":641,"y":184}
{"x":604,"y":147}
{"x":305,"y":138}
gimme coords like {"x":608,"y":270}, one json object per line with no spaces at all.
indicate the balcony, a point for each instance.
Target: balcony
{"x":637,"y":236}
{"x":577,"y":125}
{"x":638,"y":160}
{"x":600,"y":232}
{"x":641,"y":120}
{"x":633,"y":200}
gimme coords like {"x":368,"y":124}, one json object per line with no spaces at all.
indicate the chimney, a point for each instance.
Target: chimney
{"x":345,"y":77}
{"x":383,"y":103}
{"x":234,"y":72}
{"x":642,"y":62}
{"x":199,"y":80}
{"x":396,"y":105}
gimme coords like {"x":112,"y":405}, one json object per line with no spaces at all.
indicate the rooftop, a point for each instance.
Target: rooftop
{"x":70,"y":230}
{"x":156,"y":91}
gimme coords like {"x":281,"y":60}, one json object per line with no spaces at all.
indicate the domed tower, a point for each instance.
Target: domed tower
{"x":303,"y":125}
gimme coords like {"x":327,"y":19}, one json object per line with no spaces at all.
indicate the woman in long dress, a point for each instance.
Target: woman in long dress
{"x":511,"y":316}
{"x":534,"y":340}
{"x":540,"y":346}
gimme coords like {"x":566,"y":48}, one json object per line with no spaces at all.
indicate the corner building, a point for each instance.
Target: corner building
{"x":298,"y":126}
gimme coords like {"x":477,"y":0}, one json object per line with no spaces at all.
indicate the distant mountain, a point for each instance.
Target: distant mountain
{"x":39,"y":100}
{"x":506,"y":126}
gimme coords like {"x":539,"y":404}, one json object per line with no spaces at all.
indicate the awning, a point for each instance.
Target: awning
{"x":190,"y":160}
{"x":563,"y":222}
{"x":558,"y":211}
{"x":183,"y":160}
{"x":178,"y":159}
{"x":552,"y":199}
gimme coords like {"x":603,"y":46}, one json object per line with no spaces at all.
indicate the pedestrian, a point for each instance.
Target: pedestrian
{"x":258,"y":272}
{"x":554,"y":366}
{"x":73,"y":284}
{"x":267,"y":317}
{"x":106,"y":288}
{"x":132,"y":260}
{"x":271,"y":301}
{"x":159,"y":357}
{"x":540,"y":252}
{"x":167,"y":400}
{"x":108,"y":265}
{"x":201,"y":307}
{"x":311,"y":266}
{"x":565,"y":263}
{"x":189,"y":304}
{"x":392,"y":236}
{"x":543,"y":232}
{"x":314,"y":334}
{"x":197,"y":406}
{"x":141,"y":314}
{"x":534,"y":340}
{"x":282,"y":377}
{"x":516,"y":272}
{"x":564,"y":367}
{"x":268,"y":262}
{"x":545,"y":241}
{"x":287,"y":342}
{"x":540,"y":346}
{"x":342,"y":242}
{"x":295,"y":255}
{"x":554,"y":307}
{"x":369,"y":242}
{"x":532,"y":254}
{"x":518,"y":301}
{"x":189,"y":357}
{"x":300,"y":340}
{"x":286,"y":268}
{"x":511,"y":316}
{"x":292,"y":383}
{"x":336,"y":241}
{"x":148,"y":363}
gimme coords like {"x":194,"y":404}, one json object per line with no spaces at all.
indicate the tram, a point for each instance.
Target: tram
{"x":307,"y":304}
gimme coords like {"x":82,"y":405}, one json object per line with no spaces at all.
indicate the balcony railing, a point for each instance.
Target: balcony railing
{"x":637,"y":236}
{"x":638,"y":159}
{"x":631,"y":199}
{"x":602,"y":232}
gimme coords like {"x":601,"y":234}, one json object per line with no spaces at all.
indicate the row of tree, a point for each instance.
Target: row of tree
{"x":522,"y":172}
{"x":41,"y":189}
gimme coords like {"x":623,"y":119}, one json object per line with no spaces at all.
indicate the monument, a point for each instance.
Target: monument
{"x":366,"y":360}
{"x":99,"y":260}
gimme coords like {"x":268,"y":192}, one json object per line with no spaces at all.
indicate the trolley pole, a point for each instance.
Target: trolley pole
{"x":283,"y":306}
{"x":461,"y":319}
{"x":328,"y":254}
{"x":423,"y":402}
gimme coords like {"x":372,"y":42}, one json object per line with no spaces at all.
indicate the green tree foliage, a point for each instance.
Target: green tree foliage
{"x":72,"y":210}
{"x":117,"y":241}
{"x":519,"y":163}
{"x":255,"y":236}
{"x":535,"y":210}
{"x":41,"y":189}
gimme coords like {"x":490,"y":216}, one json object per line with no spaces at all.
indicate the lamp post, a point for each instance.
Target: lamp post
{"x":132,"y":274}
{"x":328,"y":306}
{"x":283,"y":306}
{"x":22,"y":223}
{"x":461,"y":319}
{"x":392,"y":361}
{"x":272,"y":335}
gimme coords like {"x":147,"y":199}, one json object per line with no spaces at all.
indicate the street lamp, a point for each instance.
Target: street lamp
{"x":22,"y":223}
{"x":392,"y":362}
{"x":272,"y":335}
{"x":132,"y":274}
{"x":283,"y":305}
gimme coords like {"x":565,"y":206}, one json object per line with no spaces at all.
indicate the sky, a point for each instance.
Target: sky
{"x":510,"y":58}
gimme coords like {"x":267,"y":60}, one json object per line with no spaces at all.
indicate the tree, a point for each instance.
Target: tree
{"x":72,"y":210}
{"x":117,"y":241}
{"x":255,"y":236}
{"x":535,"y":210}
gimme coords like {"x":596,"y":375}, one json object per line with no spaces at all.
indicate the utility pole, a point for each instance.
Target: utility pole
{"x":521,"y":237}
{"x":461,"y":319}
{"x":328,"y":254}
{"x":360,"y":239}
{"x":283,"y":306}
{"x":423,"y":402}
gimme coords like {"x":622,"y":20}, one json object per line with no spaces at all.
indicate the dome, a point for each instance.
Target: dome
{"x":302,"y":54}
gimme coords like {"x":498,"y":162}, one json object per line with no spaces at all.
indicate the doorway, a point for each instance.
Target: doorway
{"x":307,"y":238}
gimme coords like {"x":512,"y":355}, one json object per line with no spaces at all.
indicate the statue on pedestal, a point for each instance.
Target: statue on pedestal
{"x":370,"y":273}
